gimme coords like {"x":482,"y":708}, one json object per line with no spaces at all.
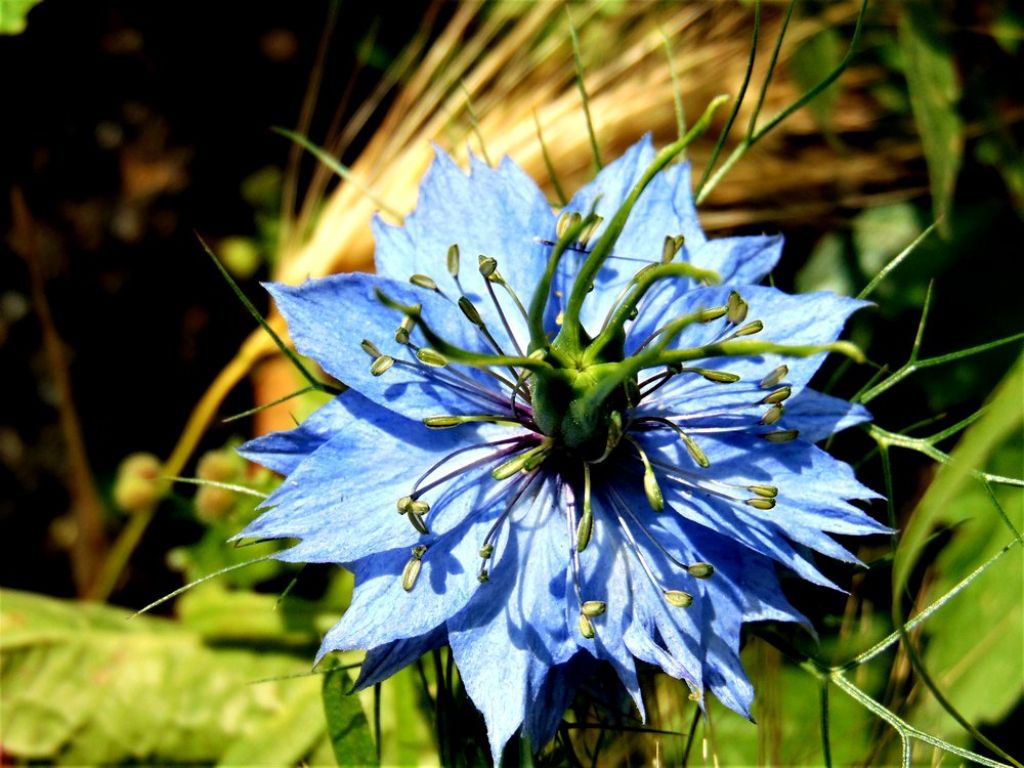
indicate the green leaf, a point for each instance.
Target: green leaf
{"x":934,"y":93}
{"x":88,"y":684}
{"x":347,"y":726}
{"x":13,"y":15}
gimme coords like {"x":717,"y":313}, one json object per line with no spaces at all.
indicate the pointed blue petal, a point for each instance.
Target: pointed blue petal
{"x":284,"y":451}
{"x":818,"y":416}
{"x":385,"y":660}
{"x":498,"y":212}
{"x":341,"y":501}
{"x":329,"y":318}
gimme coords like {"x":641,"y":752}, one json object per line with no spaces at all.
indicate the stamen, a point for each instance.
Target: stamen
{"x":678,"y":598}
{"x":673,"y":244}
{"x":593,"y":608}
{"x":447,"y":422}
{"x":749,"y":329}
{"x":716,"y":377}
{"x":431,"y":357}
{"x":766,"y":491}
{"x":585,"y":528}
{"x":501,"y":312}
{"x":586,"y":626}
{"x":774,"y":377}
{"x":411,"y":572}
{"x":583,"y":239}
{"x":781,"y":436}
{"x":402,"y":334}
{"x":760,"y":503}
{"x":487,"y":265}
{"x":738,"y":308}
{"x":651,"y":488}
{"x":453,"y":260}
{"x":382,"y":365}
{"x":772,"y":415}
{"x":701,"y":570}
{"x":408,"y":504}
{"x":470,"y":312}
{"x":370,"y":348}
{"x":424,"y":281}
{"x":417,"y":523}
{"x":525,"y":461}
{"x":777,"y":396}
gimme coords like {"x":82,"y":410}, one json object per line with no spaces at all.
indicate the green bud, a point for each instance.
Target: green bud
{"x":138,"y":486}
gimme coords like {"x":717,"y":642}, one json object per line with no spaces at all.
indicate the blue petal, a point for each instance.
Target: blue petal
{"x":329,"y":318}
{"x":515,"y":628}
{"x":816,"y":318}
{"x":818,"y":416}
{"x":382,"y":610}
{"x":341,"y":500}
{"x":665,"y":208}
{"x":499,"y":212}
{"x":739,"y":260}
{"x":284,"y":451}
{"x":385,"y":660}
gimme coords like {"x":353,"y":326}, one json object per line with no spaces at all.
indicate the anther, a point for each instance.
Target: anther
{"x":566,"y":221}
{"x":672,"y":245}
{"x":487,"y":265}
{"x":759,"y":502}
{"x":711,"y":313}
{"x":486,"y":551}
{"x":470,"y":311}
{"x":370,"y":348}
{"x":483,"y":577}
{"x":737,"y":308}
{"x":409,"y":505}
{"x":402,"y":334}
{"x":765,"y":491}
{"x":780,"y":394}
{"x":695,"y":451}
{"x":525,"y":461}
{"x":431,"y":357}
{"x":701,"y":570}
{"x":749,"y":329}
{"x":593,"y":608}
{"x":781,"y":436}
{"x":588,"y":231}
{"x":453,"y":260}
{"x":586,"y":627}
{"x":678,"y":598}
{"x":411,"y":572}
{"x":774,"y":377}
{"x":443,"y":422}
{"x":718,"y":377}
{"x":417,"y":522}
{"x":772,"y":415}
{"x":381,"y":365}
{"x":584,"y":530}
{"x":422,"y":281}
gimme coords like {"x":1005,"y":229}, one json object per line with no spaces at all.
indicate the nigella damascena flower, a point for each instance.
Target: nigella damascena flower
{"x":577,"y":435}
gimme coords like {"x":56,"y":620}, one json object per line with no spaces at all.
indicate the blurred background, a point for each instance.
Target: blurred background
{"x":130,"y":128}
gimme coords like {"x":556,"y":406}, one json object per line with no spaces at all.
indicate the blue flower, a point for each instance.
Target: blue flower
{"x":570,"y":437}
